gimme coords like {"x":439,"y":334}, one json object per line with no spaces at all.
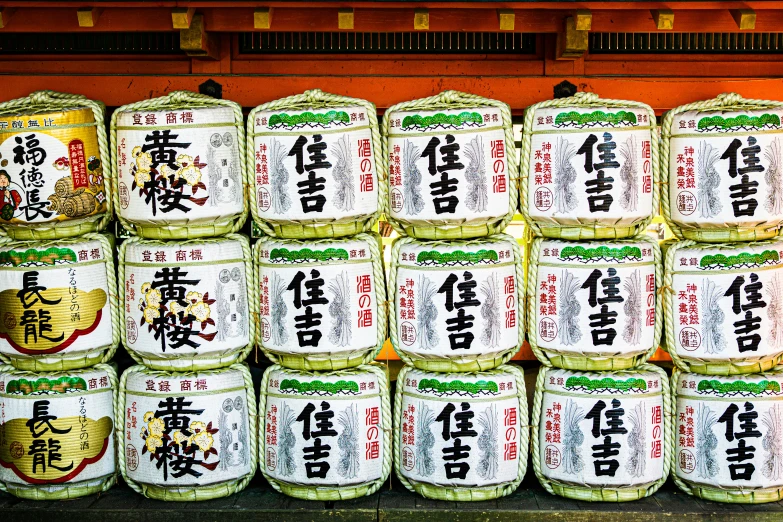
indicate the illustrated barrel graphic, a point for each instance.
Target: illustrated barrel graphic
{"x":594,"y":305}
{"x":461,"y":436}
{"x":452,"y":166}
{"x":187,"y":435}
{"x":457,"y":304}
{"x":602,"y":436}
{"x":187,"y":304}
{"x":57,"y":435}
{"x":326,"y":435}
{"x":721,"y":159}
{"x":321,"y":301}
{"x":314,"y":161}
{"x":58,"y":309}
{"x":728,"y":436}
{"x":724,"y":306}
{"x":53,"y":181}
{"x":589,"y":167}
{"x":179,"y":163}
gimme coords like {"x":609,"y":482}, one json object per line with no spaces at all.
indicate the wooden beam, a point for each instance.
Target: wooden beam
{"x":745,"y":19}
{"x":197,"y":42}
{"x":506,"y":19}
{"x":88,"y":16}
{"x":663,"y":18}
{"x":5,"y":15}
{"x":262,"y":18}
{"x":182,"y":17}
{"x":421,"y":19}
{"x":584,"y":19}
{"x":345,"y":18}
{"x":571,"y":43}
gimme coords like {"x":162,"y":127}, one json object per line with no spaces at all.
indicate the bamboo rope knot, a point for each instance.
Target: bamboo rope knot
{"x":585,"y":97}
{"x":314,"y":95}
{"x":729,"y":98}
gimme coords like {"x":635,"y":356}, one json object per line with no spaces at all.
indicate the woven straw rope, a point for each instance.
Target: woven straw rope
{"x":331,"y":493}
{"x":703,"y":232}
{"x":445,"y":364}
{"x":465,"y":494}
{"x":312,"y":100}
{"x":206,"y":361}
{"x":606,"y":493}
{"x":82,"y":360}
{"x":324,"y":361}
{"x":77,"y":489}
{"x":189,"y":493}
{"x":717,"y":494}
{"x":694,"y":364}
{"x":175,"y":101}
{"x":589,"y":361}
{"x":43,"y":101}
{"x":589,"y":230}
{"x":456,"y":100}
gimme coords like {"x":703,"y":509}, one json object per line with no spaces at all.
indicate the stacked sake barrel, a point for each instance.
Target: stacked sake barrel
{"x":724,"y":202}
{"x":59,"y":322}
{"x":314,"y":162}
{"x":455,"y":285}
{"x":589,"y":173}
{"x":186,"y":415}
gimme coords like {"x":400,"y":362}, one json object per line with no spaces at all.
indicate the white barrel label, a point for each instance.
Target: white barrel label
{"x":730,"y":430}
{"x":315,"y":164}
{"x":728,"y":303}
{"x":56,"y":429}
{"x":725,"y":168}
{"x":54,"y":299}
{"x":187,"y":429}
{"x":179,"y":166}
{"x":457,"y":300}
{"x":448,"y":166}
{"x":324,"y":430}
{"x":595,"y":297}
{"x":318,"y":298}
{"x":186,"y":298}
{"x":602,"y":430}
{"x":460,"y":430}
{"x":590,"y":165}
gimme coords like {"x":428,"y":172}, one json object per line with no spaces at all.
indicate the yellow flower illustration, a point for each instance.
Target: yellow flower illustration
{"x":151,"y":313}
{"x":141,"y":177}
{"x":144,"y":161}
{"x":168,"y":171}
{"x":179,"y":437}
{"x":148,"y":416}
{"x":184,"y":160}
{"x":153,"y":298}
{"x":136,"y":151}
{"x":194,"y":297}
{"x":176,"y":308}
{"x":203,"y":440}
{"x":197,"y":426}
{"x":156,"y":426}
{"x":146,"y":287}
{"x":200,"y":311}
{"x":153,"y":442}
{"x":191,"y":174}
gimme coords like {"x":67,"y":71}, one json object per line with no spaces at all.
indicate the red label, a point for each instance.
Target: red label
{"x":78,"y":164}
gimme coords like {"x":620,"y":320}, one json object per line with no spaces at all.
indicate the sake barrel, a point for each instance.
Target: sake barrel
{"x":452,"y":166}
{"x":52,"y":152}
{"x":326,"y":436}
{"x":724,"y":306}
{"x":178,"y":162}
{"x":58,"y":303}
{"x":589,"y":167}
{"x":57,"y":433}
{"x":457,"y":303}
{"x":321,"y":301}
{"x":461,"y":436}
{"x":188,"y":435}
{"x":187,"y":303}
{"x":721,"y":160}
{"x":602,"y":436}
{"x":593,"y":305}
{"x":729,"y":441}
{"x":314,"y":160}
